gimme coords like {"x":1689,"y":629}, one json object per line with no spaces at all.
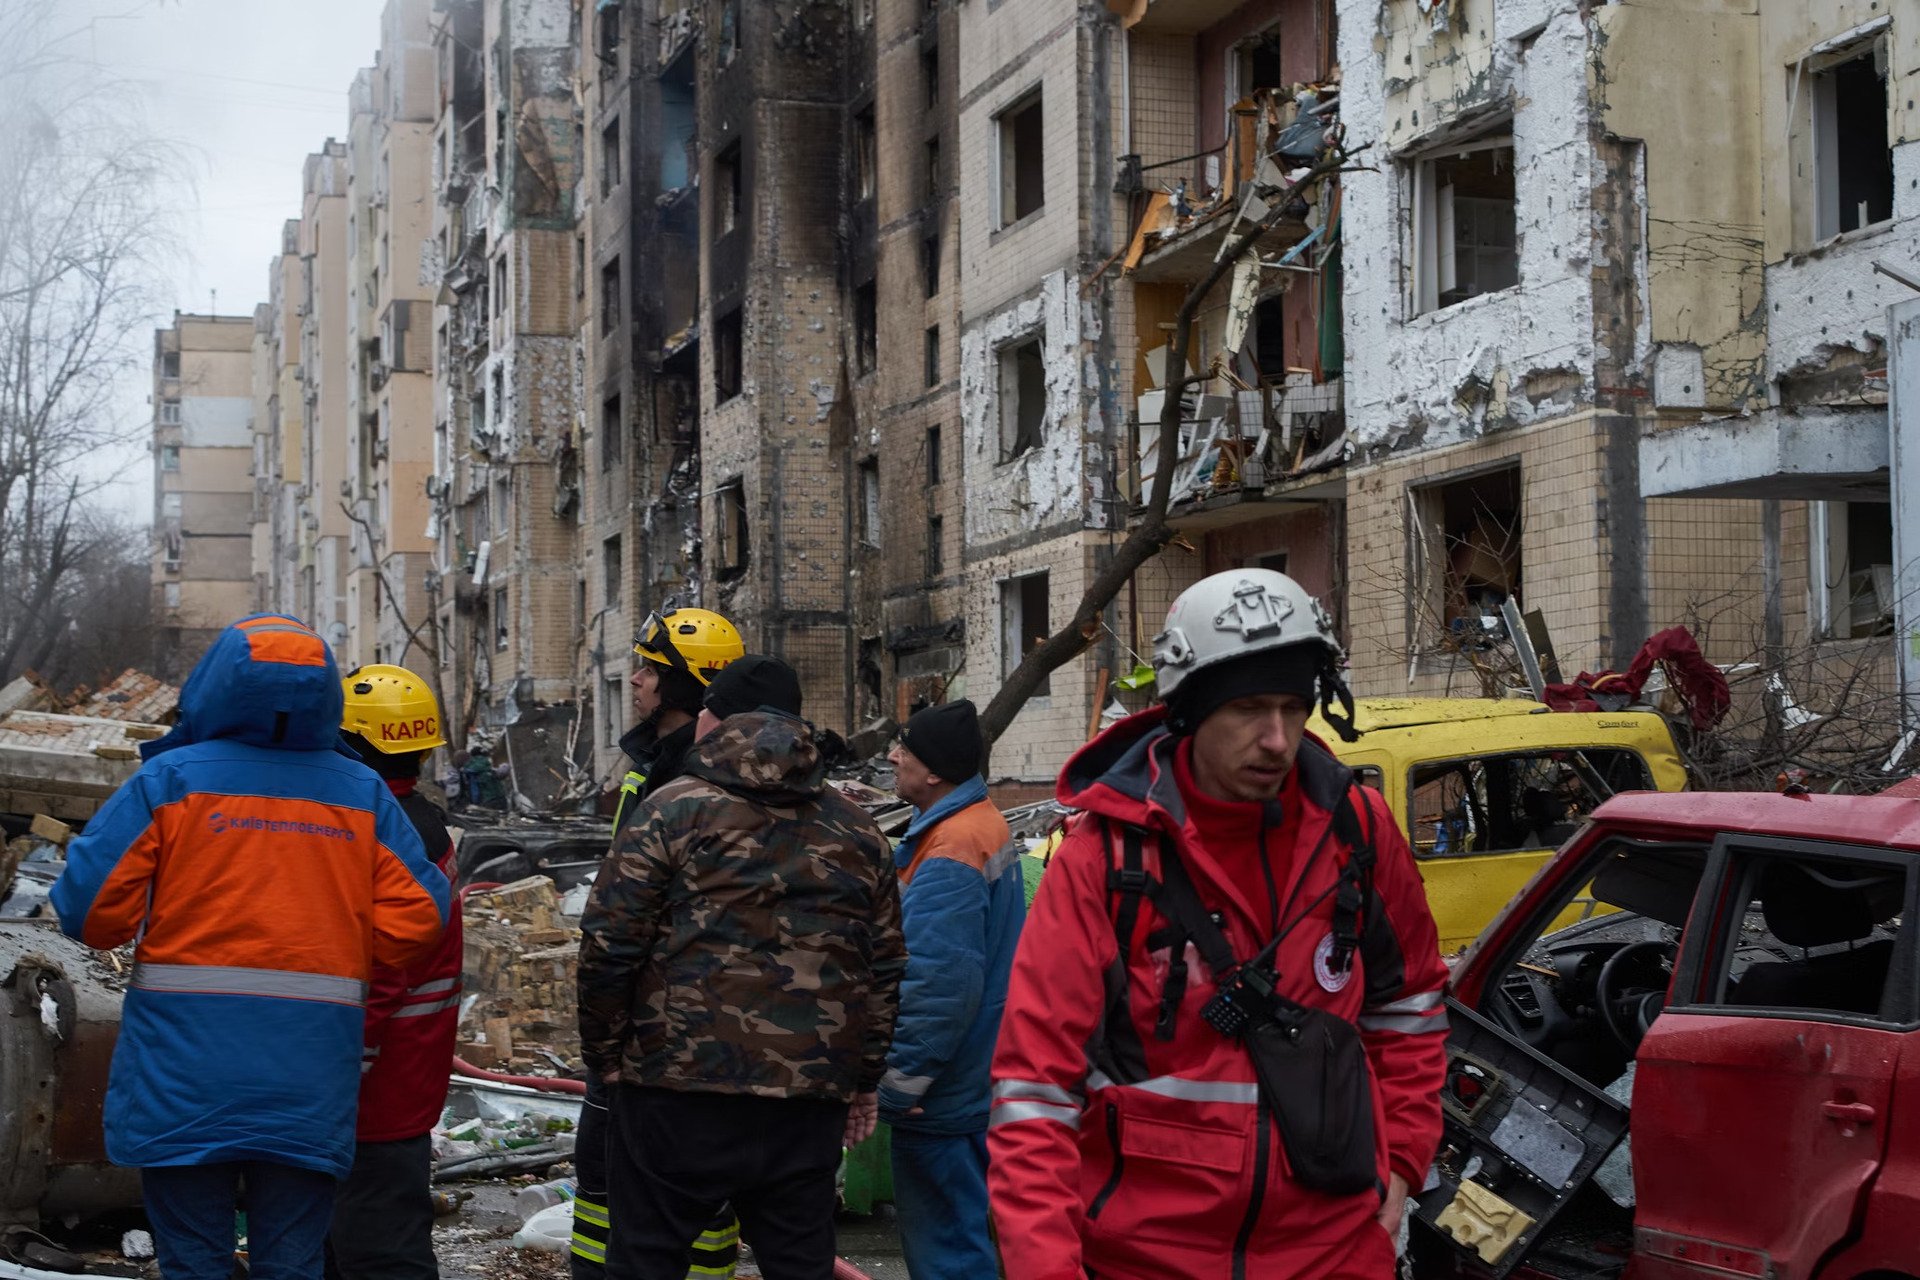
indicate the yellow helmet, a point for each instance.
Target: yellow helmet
{"x":391,"y":708}
{"x":696,"y":641}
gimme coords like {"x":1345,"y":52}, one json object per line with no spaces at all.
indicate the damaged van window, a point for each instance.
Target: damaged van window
{"x":1510,"y":803}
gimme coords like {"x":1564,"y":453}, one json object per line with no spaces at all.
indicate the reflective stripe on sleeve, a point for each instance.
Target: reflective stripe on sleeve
{"x":421,"y":1010}
{"x":1006,"y":1090}
{"x":1013,"y":1112}
{"x":438,"y":984}
{"x":1423,"y":1002}
{"x":1408,"y":1024}
{"x":900,"y":1082}
{"x":228,"y":980}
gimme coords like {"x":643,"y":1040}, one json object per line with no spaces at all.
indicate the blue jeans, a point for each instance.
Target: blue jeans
{"x":191,"y":1208}
{"x":940,"y":1203}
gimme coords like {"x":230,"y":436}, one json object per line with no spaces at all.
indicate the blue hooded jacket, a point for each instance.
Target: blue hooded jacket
{"x":262,"y":873}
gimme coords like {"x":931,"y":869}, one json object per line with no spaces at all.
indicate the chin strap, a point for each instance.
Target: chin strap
{"x":1334,"y":689}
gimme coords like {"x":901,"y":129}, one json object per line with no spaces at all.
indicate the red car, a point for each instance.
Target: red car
{"x":1715,"y":1074}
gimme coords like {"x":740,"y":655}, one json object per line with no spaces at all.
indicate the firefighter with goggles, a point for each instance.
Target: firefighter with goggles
{"x":676,"y":655}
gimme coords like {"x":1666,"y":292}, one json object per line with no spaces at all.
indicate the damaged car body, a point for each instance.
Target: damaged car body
{"x":1710,"y":1074}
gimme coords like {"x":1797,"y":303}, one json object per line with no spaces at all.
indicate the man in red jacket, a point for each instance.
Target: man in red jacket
{"x":1131,"y":1135}
{"x":383,"y":1211}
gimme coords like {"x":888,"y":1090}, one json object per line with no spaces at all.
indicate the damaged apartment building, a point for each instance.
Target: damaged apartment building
{"x":1616,"y":344}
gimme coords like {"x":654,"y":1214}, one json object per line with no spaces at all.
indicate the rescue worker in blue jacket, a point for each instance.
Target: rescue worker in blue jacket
{"x":262,"y":876}
{"x":963,"y":902}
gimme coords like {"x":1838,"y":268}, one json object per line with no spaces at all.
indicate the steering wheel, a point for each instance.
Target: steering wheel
{"x":1642,"y":1005}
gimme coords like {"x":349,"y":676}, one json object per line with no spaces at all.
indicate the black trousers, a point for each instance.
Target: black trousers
{"x":383,"y":1214}
{"x":678,"y":1157}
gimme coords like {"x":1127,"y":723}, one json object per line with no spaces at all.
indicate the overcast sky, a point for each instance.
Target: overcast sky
{"x":247,"y":88}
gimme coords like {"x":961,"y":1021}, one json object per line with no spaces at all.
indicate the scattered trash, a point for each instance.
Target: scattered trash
{"x":543,"y":1195}
{"x":136,"y":1246}
{"x":550,"y":1229}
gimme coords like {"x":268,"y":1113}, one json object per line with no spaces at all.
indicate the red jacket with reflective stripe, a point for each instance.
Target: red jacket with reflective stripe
{"x":1115,"y":1151}
{"x":413,"y":1014}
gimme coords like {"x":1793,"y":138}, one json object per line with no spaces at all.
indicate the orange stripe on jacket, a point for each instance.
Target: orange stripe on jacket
{"x":121,"y":904}
{"x":267,"y":883}
{"x":971,"y":836}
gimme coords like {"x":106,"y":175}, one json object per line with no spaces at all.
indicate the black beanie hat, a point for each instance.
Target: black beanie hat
{"x":946,"y":739}
{"x":752,"y":682}
{"x":1288,"y":669}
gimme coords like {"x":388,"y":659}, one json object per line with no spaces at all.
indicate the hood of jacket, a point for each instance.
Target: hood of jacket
{"x":762,"y":755}
{"x":1127,"y":773}
{"x":267,"y":681}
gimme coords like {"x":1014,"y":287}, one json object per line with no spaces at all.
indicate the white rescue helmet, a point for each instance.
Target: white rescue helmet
{"x":1239,"y":612}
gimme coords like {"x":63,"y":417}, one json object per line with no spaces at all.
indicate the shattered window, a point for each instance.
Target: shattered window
{"x":726,"y":357}
{"x":936,"y":529}
{"x":169,"y":457}
{"x":610,"y":296}
{"x":500,"y":628}
{"x":1852,"y":549}
{"x":612,"y":432}
{"x":614,"y":704}
{"x":930,"y":264}
{"x":930,"y":73}
{"x":1811,"y":935}
{"x":730,"y":528}
{"x":1465,"y":538}
{"x":1023,"y":396}
{"x":613,"y":569}
{"x":1852,"y":162}
{"x":726,"y":189}
{"x":933,"y":356}
{"x":866,"y":325}
{"x":1464,"y":218}
{"x":1024,"y":622}
{"x":870,"y":502}
{"x":933,"y":173}
{"x":610,"y":157}
{"x":1022,"y":160}
{"x":933,"y":454}
{"x":1512,"y":803}
{"x":865,"y":155}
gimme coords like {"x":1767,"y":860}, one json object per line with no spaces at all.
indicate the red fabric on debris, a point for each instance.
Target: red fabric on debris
{"x":1699,"y":684}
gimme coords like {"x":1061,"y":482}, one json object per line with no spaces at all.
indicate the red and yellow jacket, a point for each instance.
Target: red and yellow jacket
{"x":262,"y":874}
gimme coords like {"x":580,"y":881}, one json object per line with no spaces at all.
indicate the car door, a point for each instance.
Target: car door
{"x":1761,"y":1107}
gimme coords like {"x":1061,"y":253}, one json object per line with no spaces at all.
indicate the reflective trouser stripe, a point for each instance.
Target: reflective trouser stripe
{"x":227,"y":980}
{"x":716,"y":1252}
{"x":590,"y":1229}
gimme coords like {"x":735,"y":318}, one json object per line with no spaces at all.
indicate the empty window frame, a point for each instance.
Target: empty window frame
{"x":1253,"y":64}
{"x":1023,"y":395}
{"x":932,"y":165}
{"x":930,"y":264}
{"x":613,"y":710}
{"x":612,"y":569}
{"x":869,"y":511}
{"x":169,"y":457}
{"x":501,"y":631}
{"x":1464,"y":210}
{"x":1020,"y":136}
{"x":610,"y":158}
{"x":1024,"y":622}
{"x":726,"y":357}
{"x":1852,"y":571}
{"x":933,"y":356}
{"x":726,"y":189}
{"x":930,"y":74}
{"x":933,"y":454}
{"x":1465,"y":561}
{"x":936,"y":561}
{"x":613,"y":431}
{"x":865,"y":155}
{"x":730,"y":529}
{"x":610,"y":308}
{"x":866,"y":328}
{"x":1852,"y":160}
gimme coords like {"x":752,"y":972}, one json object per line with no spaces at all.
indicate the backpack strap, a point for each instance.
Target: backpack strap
{"x":1354,"y":897}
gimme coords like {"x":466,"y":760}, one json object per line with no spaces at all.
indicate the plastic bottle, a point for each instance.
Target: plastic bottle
{"x":532,"y":1200}
{"x":550,"y":1229}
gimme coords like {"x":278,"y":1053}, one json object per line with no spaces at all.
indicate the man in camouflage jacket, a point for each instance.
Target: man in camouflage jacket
{"x":739,"y":974}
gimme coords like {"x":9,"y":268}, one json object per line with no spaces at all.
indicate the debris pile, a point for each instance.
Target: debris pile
{"x":522,"y":956}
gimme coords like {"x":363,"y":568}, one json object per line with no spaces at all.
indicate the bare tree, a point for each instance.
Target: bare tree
{"x":1151,"y":534}
{"x":81,"y":228}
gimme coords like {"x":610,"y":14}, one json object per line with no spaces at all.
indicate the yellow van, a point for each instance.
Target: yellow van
{"x":1487,"y":789}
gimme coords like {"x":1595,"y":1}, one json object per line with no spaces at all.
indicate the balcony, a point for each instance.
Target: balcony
{"x":1255,"y":455}
{"x":1172,"y":17}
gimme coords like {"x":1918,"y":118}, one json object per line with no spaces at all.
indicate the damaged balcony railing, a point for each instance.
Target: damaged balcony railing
{"x":1246,"y":441}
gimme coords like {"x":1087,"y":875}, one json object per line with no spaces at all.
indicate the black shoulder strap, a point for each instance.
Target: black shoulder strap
{"x":1354,"y":898}
{"x":1180,"y":903}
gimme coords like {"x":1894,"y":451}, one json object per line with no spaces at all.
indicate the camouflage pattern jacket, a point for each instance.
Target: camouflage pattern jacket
{"x":744,"y":933}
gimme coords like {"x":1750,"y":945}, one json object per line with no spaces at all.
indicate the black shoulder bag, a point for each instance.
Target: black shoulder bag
{"x":1311,"y":1065}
